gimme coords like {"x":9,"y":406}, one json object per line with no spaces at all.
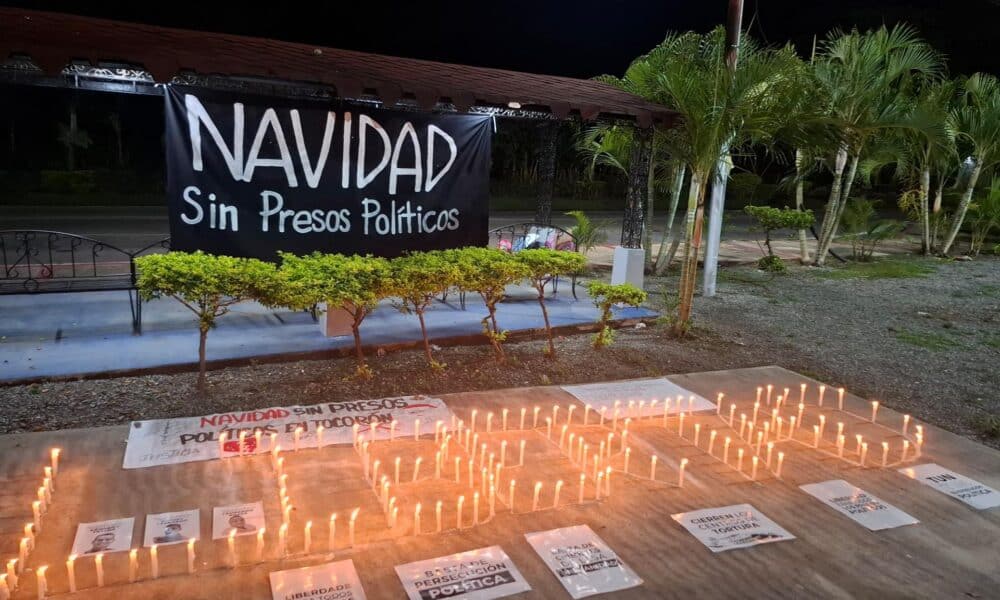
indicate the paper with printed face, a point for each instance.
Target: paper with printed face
{"x":474,"y":575}
{"x":859,"y":505}
{"x":967,"y":490}
{"x":581,"y":561}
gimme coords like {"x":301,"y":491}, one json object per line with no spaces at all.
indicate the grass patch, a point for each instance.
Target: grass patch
{"x":883,"y":269}
{"x":993,"y":342}
{"x":989,"y":426}
{"x":929,"y":340}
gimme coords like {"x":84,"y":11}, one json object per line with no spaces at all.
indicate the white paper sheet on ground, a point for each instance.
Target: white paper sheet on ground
{"x":967,"y":490}
{"x":246,"y":519}
{"x":858,"y":504}
{"x":731,"y":527}
{"x":330,"y":581}
{"x":599,"y":395}
{"x":188,"y":439}
{"x":105,"y":537}
{"x":582,"y":562}
{"x":474,"y":575}
{"x":172,"y":527}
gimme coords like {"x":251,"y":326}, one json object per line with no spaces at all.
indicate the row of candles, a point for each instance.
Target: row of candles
{"x":9,"y":580}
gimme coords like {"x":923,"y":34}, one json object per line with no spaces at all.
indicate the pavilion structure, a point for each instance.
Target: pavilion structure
{"x":67,"y":51}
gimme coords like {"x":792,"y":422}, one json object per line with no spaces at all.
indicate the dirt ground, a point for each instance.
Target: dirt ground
{"x":927,"y":343}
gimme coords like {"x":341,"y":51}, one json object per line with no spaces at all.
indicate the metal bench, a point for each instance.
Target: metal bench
{"x":530,"y":235}
{"x":50,"y":262}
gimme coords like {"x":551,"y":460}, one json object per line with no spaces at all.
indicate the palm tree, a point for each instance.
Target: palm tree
{"x":719,"y":110}
{"x":976,"y":124}
{"x":859,"y":75}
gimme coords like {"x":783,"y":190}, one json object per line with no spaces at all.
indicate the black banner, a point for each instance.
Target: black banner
{"x":250,"y":175}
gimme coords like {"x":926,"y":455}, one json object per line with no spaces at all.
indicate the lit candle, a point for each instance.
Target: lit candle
{"x":604,"y":410}
{"x":822,"y":391}
{"x":840,"y":428}
{"x":874,"y":409}
{"x":416,"y":468}
{"x":438,"y":429}
{"x":99,"y":566}
{"x":885,"y":453}
{"x":534,"y":501}
{"x":319,"y":436}
{"x":840,"y":398}
{"x":562,"y":436}
{"x":792,"y":426}
{"x":569,"y":413}
{"x":4,"y":588}
{"x":756,"y":411}
{"x":375,"y":467}
{"x":416,"y":429}
{"x":760,"y":440}
{"x":784,"y":396}
{"x":154,"y":561}
{"x":555,"y":500}
{"x":680,"y":473}
{"x":697,"y":433}
{"x":12,"y":573}
{"x":607,"y":481}
{"x":725,"y":450}
{"x":586,"y":413}
{"x":732,"y":414}
{"x":600,"y":480}
{"x":458,"y":469}
{"x":864,"y":453}
{"x":624,"y":443}
{"x":802,"y":407}
{"x":54,"y":457}
{"x":857,"y":443}
{"x":22,"y":553}
{"x":503,"y":418}
{"x":770,"y":449}
{"x":718,"y":402}
{"x":475,"y":508}
{"x":743,"y":423}
{"x":680,"y":424}
{"x":71,"y":572}
{"x":392,"y":430}
{"x":770,"y":388}
{"x":548,"y":427}
{"x":416,"y":519}
{"x":233,"y":560}
{"x":822,"y":425}
{"x":489,"y":422}
{"x":222,"y":443}
{"x":628,"y":454}
{"x":30,"y":534}
{"x":777,"y":432}
{"x":242,"y":441}
{"x":739,"y":460}
{"x":753,"y":468}
{"x":652,"y":467}
{"x":260,"y":545}
{"x":666,"y":411}
{"x":396,"y":480}
{"x":711,"y":441}
{"x":350,"y":531}
{"x":815,"y":436}
{"x":43,"y":586}
{"x":906,"y":448}
{"x":282,"y":542}
{"x":802,"y":393}
{"x":520,"y":460}
{"x":307,"y":534}
{"x":781,"y":459}
{"x":458,"y":514}
{"x":840,"y":446}
{"x":523,"y":412}
{"x":534,"y":419}
{"x":273,"y":437}
{"x":437,"y":515}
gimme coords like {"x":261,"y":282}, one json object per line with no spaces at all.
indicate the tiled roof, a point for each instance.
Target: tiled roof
{"x":53,"y":40}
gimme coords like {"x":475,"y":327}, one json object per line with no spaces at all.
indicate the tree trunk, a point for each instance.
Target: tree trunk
{"x":71,"y":146}
{"x":202,"y":342}
{"x":546,"y":172}
{"x":647,"y":231}
{"x":545,"y":317}
{"x":800,"y":205}
{"x":716,"y":213}
{"x":633,"y":221}
{"x":939,"y":195}
{"x":423,"y":331}
{"x":963,"y":207}
{"x":832,"y":204}
{"x":668,"y":238}
{"x":356,"y":330}
{"x":689,"y":267}
{"x":925,"y":216}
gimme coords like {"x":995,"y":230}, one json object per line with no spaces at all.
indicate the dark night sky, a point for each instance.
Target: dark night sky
{"x":566,"y":37}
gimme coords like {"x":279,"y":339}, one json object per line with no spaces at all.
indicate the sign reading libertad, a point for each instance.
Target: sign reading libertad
{"x":250,"y":176}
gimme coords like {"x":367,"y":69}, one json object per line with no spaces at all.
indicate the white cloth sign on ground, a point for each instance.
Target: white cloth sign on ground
{"x":582,"y":562}
{"x":967,"y":490}
{"x":599,"y":395}
{"x":858,"y":504}
{"x":474,"y":575}
{"x":246,"y":519}
{"x":731,"y":527}
{"x":330,"y":581}
{"x":172,"y":527}
{"x":105,"y":537}
{"x":188,"y":439}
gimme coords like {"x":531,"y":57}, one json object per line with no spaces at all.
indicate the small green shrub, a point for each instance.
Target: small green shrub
{"x":207,"y":285}
{"x":864,"y":234}
{"x":541,"y":266}
{"x":770,"y":219}
{"x":586,"y":234}
{"x":416,"y":279}
{"x":605,"y":296}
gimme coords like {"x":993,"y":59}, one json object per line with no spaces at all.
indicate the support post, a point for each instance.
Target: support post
{"x":546,"y":171}
{"x":629,"y":260}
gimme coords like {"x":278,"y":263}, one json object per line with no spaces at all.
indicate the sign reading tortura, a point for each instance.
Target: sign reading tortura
{"x":251,"y":176}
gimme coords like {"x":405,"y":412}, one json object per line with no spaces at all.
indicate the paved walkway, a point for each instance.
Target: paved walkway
{"x":61,"y":335}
